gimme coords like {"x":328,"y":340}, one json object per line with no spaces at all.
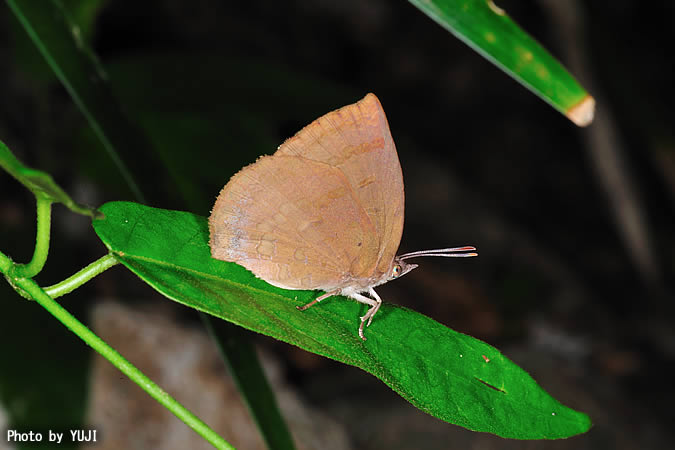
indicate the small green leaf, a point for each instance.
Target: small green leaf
{"x":447,"y":374}
{"x":39,"y":182}
{"x":488,"y":30}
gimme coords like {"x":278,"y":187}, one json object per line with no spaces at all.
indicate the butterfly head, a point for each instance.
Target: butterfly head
{"x":399,"y":268}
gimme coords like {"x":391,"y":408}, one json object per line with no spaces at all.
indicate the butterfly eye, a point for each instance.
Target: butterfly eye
{"x":396,"y":271}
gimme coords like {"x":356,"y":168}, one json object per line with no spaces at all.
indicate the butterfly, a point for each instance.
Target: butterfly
{"x":324,"y":212}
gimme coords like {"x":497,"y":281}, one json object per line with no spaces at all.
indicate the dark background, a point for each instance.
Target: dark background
{"x":574,"y":226}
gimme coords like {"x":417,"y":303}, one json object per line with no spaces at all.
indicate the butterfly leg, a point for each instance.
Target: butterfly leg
{"x":374,"y":307}
{"x":317,"y":300}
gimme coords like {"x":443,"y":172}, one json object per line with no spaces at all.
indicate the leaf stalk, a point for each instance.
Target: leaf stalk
{"x":78,"y":279}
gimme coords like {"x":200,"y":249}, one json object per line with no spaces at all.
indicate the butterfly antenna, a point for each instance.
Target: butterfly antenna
{"x":455,"y":252}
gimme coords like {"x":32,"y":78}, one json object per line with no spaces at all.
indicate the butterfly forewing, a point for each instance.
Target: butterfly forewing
{"x":356,"y":140}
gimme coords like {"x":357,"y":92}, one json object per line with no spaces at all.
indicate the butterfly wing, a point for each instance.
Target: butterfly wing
{"x":294,"y":222}
{"x":356,"y":140}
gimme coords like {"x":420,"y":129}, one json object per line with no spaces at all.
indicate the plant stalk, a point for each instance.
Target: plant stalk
{"x":73,"y":282}
{"x":100,"y":346}
{"x":44,"y":219}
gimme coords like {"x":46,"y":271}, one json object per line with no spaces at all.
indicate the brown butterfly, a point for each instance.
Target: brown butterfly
{"x":323,"y":212}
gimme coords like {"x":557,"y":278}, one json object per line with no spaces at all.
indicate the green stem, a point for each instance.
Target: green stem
{"x":5,"y":263}
{"x":73,"y":282}
{"x":44,"y":219}
{"x":95,"y":342}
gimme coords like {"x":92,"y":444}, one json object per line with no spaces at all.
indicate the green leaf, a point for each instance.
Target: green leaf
{"x":488,"y":30}
{"x":447,"y":374}
{"x":39,"y":182}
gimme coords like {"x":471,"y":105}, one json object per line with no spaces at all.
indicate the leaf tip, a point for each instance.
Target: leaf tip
{"x":582,"y":113}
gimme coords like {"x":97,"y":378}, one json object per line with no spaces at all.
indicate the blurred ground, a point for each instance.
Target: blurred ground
{"x":574,"y":227}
